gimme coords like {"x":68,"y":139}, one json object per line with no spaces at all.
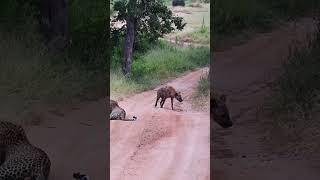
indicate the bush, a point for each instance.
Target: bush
{"x":159,"y":64}
{"x":231,"y":16}
{"x":88,"y":28}
{"x":295,"y":109}
{"x":166,"y":61}
{"x":299,"y":83}
{"x":30,"y":74}
{"x":204,"y":86}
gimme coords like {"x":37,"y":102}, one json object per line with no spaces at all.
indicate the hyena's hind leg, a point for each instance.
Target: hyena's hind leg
{"x":158,"y":97}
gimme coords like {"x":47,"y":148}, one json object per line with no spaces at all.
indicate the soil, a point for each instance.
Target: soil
{"x":243,"y":72}
{"x":162,"y":143}
{"x":167,"y":144}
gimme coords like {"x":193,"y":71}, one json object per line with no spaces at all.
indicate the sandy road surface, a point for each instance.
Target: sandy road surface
{"x":75,"y":141}
{"x":162,"y":144}
{"x":242,"y":72}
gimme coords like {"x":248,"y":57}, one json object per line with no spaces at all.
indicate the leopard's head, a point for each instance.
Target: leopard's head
{"x":11,"y":134}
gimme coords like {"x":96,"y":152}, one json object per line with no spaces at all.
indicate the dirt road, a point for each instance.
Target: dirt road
{"x":174,"y":145}
{"x":75,"y":141}
{"x":242,"y":72}
{"x":162,"y":144}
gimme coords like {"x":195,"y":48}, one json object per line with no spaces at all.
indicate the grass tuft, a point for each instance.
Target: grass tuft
{"x":158,"y":65}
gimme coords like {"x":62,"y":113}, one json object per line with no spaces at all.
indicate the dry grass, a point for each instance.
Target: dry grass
{"x":195,"y":17}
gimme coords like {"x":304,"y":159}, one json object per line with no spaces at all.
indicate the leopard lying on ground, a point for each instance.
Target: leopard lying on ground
{"x":118,"y":113}
{"x":20,"y":159}
{"x":219,"y":111}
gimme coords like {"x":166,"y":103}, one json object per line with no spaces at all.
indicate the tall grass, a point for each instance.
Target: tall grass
{"x":200,"y":98}
{"x":295,"y":112}
{"x":29,"y":71}
{"x":200,"y":35}
{"x":30,"y":75}
{"x":204,"y":86}
{"x":88,"y":30}
{"x":232,"y":16}
{"x":158,"y":65}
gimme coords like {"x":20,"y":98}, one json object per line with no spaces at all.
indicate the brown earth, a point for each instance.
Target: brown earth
{"x":162,"y":144}
{"x":75,"y":141}
{"x":243,"y":72}
{"x":172,"y":145}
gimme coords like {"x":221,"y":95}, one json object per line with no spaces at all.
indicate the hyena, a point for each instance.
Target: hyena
{"x":167,"y":92}
{"x":219,"y":110}
{"x":118,"y":113}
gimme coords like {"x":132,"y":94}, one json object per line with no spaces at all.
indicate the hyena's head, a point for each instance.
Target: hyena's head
{"x":220,"y":112}
{"x":178,"y":96}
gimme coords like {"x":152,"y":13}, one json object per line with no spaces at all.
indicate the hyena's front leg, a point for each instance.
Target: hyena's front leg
{"x":163,"y":100}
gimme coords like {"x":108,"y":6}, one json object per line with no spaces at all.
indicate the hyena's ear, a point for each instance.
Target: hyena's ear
{"x":223,"y":98}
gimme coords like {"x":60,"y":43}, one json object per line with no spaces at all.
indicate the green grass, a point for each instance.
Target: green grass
{"x":195,"y":17}
{"x":200,"y":98}
{"x":31,"y":76}
{"x":202,"y":36}
{"x":121,"y":86}
{"x":294,"y":117}
{"x":232,"y":16}
{"x":204,"y":86}
{"x":156,"y":66}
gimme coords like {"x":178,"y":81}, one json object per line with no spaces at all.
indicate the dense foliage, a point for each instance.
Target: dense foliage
{"x":30,"y":72}
{"x":230,"y":16}
{"x":153,"y":19}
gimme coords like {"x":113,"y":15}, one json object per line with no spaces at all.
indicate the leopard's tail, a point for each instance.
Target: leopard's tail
{"x":134,"y":118}
{"x":43,"y":171}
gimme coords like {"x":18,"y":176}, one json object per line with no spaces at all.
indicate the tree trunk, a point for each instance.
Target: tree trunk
{"x":54,"y":22}
{"x":130,"y":38}
{"x":128,"y":47}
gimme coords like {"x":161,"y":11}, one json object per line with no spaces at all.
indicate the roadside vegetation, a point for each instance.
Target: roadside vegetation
{"x":34,"y":73}
{"x":201,"y":96}
{"x":154,"y":61}
{"x":155,"y":66}
{"x":197,"y":30}
{"x":234,"y":18}
{"x":292,"y":123}
{"x":199,"y":35}
{"x":294,"y":119}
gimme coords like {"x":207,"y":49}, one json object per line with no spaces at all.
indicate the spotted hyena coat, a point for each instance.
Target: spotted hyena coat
{"x":167,"y":92}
